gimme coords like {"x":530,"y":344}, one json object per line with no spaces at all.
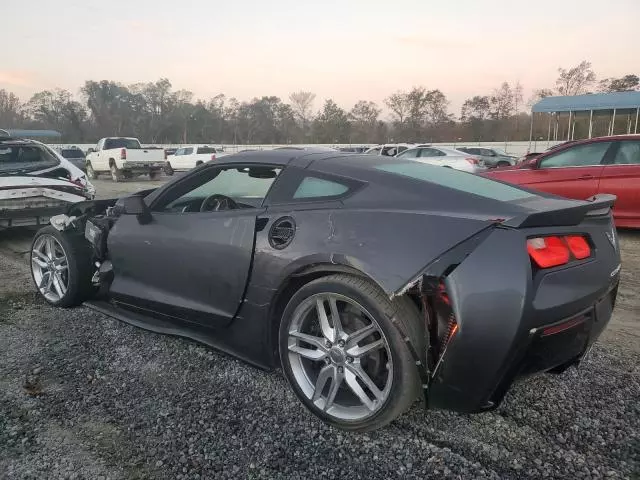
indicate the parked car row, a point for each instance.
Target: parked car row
{"x":583,"y":168}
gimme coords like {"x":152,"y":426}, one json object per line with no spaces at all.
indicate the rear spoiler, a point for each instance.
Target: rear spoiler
{"x":554,"y":212}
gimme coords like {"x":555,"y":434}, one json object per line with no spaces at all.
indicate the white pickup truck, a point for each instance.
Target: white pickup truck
{"x":186,"y":158}
{"x":124,"y":157}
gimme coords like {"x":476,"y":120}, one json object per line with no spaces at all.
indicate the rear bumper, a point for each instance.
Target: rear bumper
{"x":30,"y":217}
{"x":514,"y":321}
{"x":142,"y":166}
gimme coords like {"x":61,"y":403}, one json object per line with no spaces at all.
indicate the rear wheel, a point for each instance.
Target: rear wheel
{"x":116,"y":173}
{"x":154,"y":174}
{"x":91,"y":173}
{"x":344,"y":357}
{"x":61,"y":267}
{"x":503,"y":164}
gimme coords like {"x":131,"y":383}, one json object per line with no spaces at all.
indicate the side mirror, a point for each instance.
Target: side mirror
{"x":134,"y":205}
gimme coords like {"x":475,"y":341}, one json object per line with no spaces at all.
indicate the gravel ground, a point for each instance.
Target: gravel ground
{"x":85,"y":396}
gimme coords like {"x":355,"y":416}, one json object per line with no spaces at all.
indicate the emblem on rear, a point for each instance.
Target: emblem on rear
{"x":611,"y":235}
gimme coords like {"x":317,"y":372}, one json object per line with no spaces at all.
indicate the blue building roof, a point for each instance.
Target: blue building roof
{"x":594,"y":101}
{"x":17,"y":132}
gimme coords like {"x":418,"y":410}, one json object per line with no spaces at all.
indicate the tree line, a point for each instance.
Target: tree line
{"x":156,"y":113}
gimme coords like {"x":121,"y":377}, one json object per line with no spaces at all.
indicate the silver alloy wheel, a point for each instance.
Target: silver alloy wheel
{"x":91,"y":172}
{"x":50,"y":267}
{"x":340,"y":357}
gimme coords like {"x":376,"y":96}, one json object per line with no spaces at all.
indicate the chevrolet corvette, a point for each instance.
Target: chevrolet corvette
{"x":371,"y":281}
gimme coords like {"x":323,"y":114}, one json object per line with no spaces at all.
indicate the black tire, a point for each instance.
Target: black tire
{"x":503,"y":164}
{"x":116,"y":173}
{"x":405,"y":382}
{"x":168,"y":169}
{"x":80,"y":265}
{"x":199,"y":162}
{"x":154,"y":174}
{"x":91,"y":173}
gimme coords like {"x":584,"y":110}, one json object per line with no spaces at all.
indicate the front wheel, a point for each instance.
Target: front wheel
{"x":343,"y":355}
{"x":61,"y":266}
{"x":168,"y":169}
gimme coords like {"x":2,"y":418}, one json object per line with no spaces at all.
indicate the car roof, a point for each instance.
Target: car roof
{"x":284,"y":156}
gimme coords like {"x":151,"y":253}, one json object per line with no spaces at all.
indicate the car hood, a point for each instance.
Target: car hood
{"x":13,"y":181}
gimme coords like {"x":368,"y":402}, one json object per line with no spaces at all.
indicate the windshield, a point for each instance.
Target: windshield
{"x":24,"y":159}
{"x":72,"y":153}
{"x":128,"y":143}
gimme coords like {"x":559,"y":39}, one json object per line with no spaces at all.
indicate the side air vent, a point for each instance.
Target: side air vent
{"x":282,"y":232}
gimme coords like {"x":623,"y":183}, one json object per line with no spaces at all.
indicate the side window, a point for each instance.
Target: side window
{"x":578,"y":156}
{"x":411,"y":153}
{"x":628,"y":154}
{"x":179,"y":151}
{"x":219,"y":189}
{"x":187,"y":151}
{"x":375,"y":151}
{"x":430,"y":152}
{"x":311,"y":187}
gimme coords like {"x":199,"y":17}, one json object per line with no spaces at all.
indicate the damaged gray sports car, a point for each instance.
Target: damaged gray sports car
{"x":372,"y":281}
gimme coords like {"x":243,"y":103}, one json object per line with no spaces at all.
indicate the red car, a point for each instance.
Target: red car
{"x":584,"y":168}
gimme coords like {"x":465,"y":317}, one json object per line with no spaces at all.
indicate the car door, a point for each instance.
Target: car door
{"x":176,"y":159}
{"x":573,"y":172}
{"x":189,"y":263}
{"x":621,"y":177}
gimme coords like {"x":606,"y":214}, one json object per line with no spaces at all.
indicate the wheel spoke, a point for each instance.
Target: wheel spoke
{"x":40,"y":255}
{"x":57,"y":285}
{"x":366,"y":379}
{"x":49,"y":248}
{"x":361,"y":334}
{"x":323,"y":377}
{"x":44,"y":281}
{"x":327,"y":331}
{"x":336,"y":381}
{"x":307,"y":352}
{"x":370,"y":347}
{"x":310,"y":339}
{"x":355,"y":387}
{"x":39,"y":262}
{"x":335,"y":318}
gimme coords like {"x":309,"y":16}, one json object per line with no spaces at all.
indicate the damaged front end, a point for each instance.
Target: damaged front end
{"x":92,"y":219}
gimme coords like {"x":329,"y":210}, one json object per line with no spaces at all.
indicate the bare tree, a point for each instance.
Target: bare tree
{"x":628,"y":83}
{"x":576,"y":80}
{"x":538,"y":94}
{"x":302,"y":105}
{"x":398,"y":104}
{"x":502,"y":102}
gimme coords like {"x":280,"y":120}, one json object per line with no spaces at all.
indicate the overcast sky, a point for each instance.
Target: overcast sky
{"x":347,"y":50}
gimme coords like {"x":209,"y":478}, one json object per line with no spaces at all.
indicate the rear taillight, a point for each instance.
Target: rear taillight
{"x":123,"y":154}
{"x":213,"y":157}
{"x":472,"y":161}
{"x":578,"y":246}
{"x":547,"y":252}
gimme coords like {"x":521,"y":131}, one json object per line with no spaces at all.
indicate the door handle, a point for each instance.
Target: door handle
{"x":586,"y":177}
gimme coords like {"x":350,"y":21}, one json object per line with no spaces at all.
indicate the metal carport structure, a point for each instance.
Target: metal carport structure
{"x":614,"y":102}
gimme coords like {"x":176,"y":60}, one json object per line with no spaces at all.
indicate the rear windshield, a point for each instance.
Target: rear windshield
{"x":16,"y":159}
{"x":206,"y":150}
{"x":450,"y":178}
{"x":129,"y":143}
{"x":72,"y":153}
